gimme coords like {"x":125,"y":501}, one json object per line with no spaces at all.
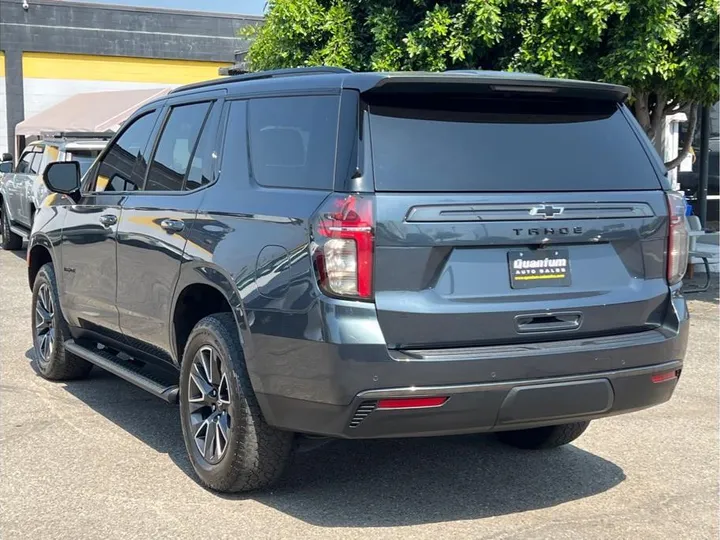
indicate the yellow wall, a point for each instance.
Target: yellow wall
{"x":116,"y":68}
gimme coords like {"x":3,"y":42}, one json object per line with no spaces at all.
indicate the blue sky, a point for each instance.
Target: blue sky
{"x":244,"y":7}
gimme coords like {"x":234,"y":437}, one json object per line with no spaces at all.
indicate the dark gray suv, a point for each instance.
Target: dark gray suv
{"x":365,"y":255}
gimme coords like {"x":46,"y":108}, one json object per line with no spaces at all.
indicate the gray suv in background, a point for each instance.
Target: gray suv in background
{"x":22,"y":190}
{"x":362,"y":255}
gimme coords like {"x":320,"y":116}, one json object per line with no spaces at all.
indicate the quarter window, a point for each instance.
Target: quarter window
{"x":175,"y":147}
{"x":292,"y":141}
{"x":115,"y":172}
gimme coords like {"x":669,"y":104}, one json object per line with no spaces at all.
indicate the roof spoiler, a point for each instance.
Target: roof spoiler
{"x":498,"y":82}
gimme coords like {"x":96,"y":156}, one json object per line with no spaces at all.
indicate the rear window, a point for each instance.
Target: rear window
{"x":85,"y":158}
{"x":511,"y":145}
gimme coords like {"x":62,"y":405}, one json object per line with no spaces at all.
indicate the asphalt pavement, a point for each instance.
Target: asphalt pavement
{"x":99,"y":458}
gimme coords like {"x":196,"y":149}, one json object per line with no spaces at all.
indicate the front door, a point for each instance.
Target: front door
{"x":89,"y":251}
{"x":156,"y":220}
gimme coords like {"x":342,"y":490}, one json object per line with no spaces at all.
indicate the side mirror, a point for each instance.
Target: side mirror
{"x":6,"y":166}
{"x":7,"y":157}
{"x":62,"y":177}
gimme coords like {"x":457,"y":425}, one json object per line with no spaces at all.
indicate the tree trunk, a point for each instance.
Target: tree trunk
{"x":642,"y":114}
{"x":689,"y":136}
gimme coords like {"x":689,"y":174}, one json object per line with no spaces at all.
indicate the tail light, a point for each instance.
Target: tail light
{"x":343,"y":243}
{"x":678,"y":239}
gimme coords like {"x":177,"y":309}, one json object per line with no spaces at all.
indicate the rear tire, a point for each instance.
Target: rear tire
{"x":50,"y":331}
{"x":9,"y":241}
{"x":230,"y":445}
{"x":543,"y":437}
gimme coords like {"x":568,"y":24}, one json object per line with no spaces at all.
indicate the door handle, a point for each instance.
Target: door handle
{"x":108,"y":220}
{"x":172,"y":225}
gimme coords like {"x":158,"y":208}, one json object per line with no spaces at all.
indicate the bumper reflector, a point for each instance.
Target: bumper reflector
{"x":663,"y":377}
{"x":411,"y":403}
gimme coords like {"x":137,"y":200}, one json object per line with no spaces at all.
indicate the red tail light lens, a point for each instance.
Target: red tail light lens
{"x":343,"y":245}
{"x":678,"y":239}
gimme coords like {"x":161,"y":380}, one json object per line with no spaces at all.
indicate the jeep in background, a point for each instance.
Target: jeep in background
{"x":360,"y":255}
{"x":21,"y":187}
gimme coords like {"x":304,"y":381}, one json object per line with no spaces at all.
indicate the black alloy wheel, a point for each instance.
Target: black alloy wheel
{"x":209,"y":404}
{"x":44,"y":324}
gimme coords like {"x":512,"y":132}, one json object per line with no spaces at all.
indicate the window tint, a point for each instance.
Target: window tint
{"x":176,"y":145}
{"x":84,"y":157}
{"x":115,"y":172}
{"x":292,"y":141}
{"x":24,"y":163}
{"x":452,"y":144}
{"x":202,"y":165}
{"x":37,"y":156}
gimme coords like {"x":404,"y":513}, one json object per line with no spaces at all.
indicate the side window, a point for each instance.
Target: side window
{"x":37,"y":157}
{"x":175,"y":147}
{"x":24,"y":163}
{"x":292,"y":141}
{"x":203,"y":161}
{"x":115,"y":172}
{"x":50,"y":154}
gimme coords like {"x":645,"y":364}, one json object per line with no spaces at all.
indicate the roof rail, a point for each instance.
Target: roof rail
{"x":77,"y":134}
{"x":270,"y":74}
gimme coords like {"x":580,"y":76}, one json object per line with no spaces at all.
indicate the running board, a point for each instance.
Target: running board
{"x":22,"y":233}
{"x":125,"y":370}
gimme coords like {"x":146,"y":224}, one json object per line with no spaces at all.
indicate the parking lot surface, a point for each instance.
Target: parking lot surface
{"x":99,"y":458}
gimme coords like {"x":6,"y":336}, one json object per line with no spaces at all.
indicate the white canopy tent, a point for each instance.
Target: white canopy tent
{"x":92,"y":112}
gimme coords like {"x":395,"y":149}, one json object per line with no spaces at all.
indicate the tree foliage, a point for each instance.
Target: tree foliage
{"x":665,"y":50}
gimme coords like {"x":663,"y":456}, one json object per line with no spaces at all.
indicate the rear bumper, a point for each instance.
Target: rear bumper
{"x":482,"y":407}
{"x":333,"y":389}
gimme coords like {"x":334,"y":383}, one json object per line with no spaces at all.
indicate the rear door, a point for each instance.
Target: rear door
{"x":513,"y":219}
{"x":156,"y":220}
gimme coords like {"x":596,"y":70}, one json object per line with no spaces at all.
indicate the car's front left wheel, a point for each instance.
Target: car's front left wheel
{"x":50,"y":332}
{"x":9,"y":241}
{"x":230,"y":445}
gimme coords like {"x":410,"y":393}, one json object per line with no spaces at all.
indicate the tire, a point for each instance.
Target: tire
{"x":543,"y":438}
{"x":255,"y":454}
{"x":50,"y":331}
{"x":9,"y":241}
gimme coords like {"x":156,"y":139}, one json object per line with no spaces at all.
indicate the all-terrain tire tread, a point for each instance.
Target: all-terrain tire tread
{"x":544,"y":438}
{"x":265,"y":451}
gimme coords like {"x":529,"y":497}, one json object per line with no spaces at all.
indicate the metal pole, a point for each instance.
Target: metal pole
{"x":704,"y":162}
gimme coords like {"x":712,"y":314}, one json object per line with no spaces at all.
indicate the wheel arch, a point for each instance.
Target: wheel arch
{"x":40,"y":251}
{"x":216,"y":289}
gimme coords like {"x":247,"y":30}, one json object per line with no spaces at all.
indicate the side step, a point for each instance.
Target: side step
{"x":21,"y":232}
{"x":126,"y":370}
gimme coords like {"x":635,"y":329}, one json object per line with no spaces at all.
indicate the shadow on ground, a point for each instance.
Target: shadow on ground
{"x":379,"y":483}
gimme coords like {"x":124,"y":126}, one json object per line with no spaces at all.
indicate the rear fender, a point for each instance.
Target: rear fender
{"x":201,"y":272}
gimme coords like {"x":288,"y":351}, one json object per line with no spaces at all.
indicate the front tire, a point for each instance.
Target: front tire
{"x":230,"y":445}
{"x":543,"y":437}
{"x":9,"y":241}
{"x":50,"y":331}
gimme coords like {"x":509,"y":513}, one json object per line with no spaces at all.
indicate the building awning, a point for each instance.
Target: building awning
{"x":94,"y":112}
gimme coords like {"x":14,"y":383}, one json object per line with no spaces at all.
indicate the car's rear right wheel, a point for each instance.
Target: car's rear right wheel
{"x":9,"y":241}
{"x":230,"y":445}
{"x":543,"y":437}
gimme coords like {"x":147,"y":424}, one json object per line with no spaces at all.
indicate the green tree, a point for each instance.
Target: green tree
{"x":665,"y":50}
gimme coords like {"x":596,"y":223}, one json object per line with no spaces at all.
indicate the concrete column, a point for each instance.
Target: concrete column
{"x":14,"y":94}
